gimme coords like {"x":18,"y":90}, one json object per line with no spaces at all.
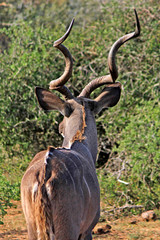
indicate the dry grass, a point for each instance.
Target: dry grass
{"x":126,"y":228}
{"x":14,"y":224}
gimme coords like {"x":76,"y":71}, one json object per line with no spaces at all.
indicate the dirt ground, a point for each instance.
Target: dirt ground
{"x":126,"y":228}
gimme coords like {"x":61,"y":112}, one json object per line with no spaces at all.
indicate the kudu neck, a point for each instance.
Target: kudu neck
{"x":91,"y":136}
{"x":88,"y":144}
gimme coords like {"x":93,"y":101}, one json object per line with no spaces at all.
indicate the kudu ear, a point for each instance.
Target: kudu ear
{"x":49,"y":101}
{"x":108,"y":98}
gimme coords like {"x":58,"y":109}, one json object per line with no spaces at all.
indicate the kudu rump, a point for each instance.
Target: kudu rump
{"x":60,"y":191}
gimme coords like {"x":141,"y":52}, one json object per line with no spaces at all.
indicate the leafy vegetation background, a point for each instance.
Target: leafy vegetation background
{"x":128,"y":163}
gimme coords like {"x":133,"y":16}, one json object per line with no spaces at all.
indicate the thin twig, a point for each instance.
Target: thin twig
{"x":127,"y":206}
{"x":24,"y":122}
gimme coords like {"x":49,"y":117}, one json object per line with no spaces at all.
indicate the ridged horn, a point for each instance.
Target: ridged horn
{"x":111,"y":78}
{"x":58,"y":84}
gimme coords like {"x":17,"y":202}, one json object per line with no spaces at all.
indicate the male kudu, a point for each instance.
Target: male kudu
{"x":60,"y":191}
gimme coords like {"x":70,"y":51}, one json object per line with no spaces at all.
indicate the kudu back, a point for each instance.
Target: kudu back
{"x":59,"y":191}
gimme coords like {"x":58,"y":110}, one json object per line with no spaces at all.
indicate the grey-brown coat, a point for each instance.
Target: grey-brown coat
{"x":59,"y":190}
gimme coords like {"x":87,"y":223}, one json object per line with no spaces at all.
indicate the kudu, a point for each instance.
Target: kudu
{"x":60,"y":191}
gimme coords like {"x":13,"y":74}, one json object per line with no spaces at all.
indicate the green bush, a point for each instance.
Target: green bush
{"x":135,"y":160}
{"x":8,"y":191}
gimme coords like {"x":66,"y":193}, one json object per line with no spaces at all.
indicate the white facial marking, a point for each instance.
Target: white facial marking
{"x":62,"y":135}
{"x":70,"y":144}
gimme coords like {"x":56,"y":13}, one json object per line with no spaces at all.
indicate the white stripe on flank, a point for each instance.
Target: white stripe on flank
{"x":87,"y":187}
{"x":70,"y":176}
{"x":48,"y":188}
{"x":34,"y":190}
{"x":46,"y":157}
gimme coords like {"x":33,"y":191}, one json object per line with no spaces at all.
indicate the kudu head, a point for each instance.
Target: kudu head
{"x":78,"y":111}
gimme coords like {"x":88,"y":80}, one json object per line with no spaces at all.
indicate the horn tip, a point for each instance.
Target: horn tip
{"x":63,"y":38}
{"x":138,"y":28}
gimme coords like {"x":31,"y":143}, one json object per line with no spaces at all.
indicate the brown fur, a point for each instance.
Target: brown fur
{"x":79,"y":135}
{"x":43,"y":213}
